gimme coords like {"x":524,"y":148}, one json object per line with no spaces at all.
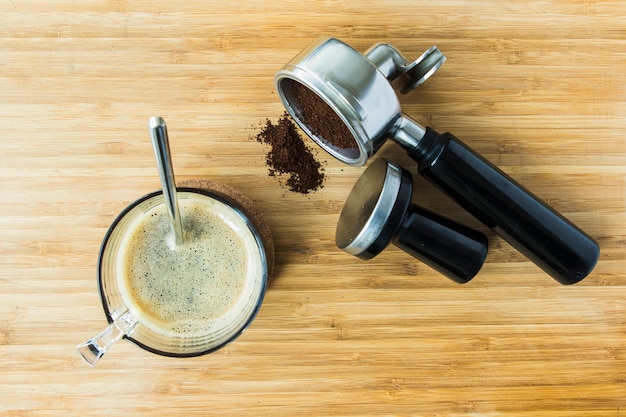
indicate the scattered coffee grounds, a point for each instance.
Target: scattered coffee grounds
{"x":321,"y":118}
{"x":289,"y":155}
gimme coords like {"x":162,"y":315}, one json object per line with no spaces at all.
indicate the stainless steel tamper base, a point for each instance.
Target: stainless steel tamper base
{"x":362,"y":228}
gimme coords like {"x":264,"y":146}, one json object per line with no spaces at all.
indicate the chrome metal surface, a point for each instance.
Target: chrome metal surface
{"x":368,"y":207}
{"x":358,"y":89}
{"x":392,"y":64}
{"x":160,"y":143}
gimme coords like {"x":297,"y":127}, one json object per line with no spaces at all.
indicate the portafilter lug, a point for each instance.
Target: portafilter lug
{"x":392,"y":64}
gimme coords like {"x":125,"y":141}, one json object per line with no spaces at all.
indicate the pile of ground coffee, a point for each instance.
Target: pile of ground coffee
{"x":289,"y":155}
{"x":321,"y":119}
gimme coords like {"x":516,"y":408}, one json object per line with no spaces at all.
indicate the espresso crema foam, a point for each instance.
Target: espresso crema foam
{"x":199,"y":288}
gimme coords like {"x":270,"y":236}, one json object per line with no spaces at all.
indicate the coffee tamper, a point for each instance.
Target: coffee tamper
{"x":378,"y":211}
{"x":358,"y":89}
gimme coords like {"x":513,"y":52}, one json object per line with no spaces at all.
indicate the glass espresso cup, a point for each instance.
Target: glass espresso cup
{"x":186,"y":300}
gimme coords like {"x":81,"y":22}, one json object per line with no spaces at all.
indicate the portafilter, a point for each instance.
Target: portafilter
{"x":358,"y":90}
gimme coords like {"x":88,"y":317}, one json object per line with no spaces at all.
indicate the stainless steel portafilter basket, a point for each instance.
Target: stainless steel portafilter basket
{"x":357,"y":90}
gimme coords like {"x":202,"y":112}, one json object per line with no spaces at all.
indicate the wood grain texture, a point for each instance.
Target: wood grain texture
{"x":538,"y":87}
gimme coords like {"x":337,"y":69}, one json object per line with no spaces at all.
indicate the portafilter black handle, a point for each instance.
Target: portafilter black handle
{"x":527,"y":223}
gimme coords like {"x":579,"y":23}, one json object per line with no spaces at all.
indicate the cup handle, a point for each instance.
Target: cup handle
{"x":92,"y":350}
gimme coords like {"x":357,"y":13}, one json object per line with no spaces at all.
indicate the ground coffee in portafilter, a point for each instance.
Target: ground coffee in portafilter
{"x":320,"y":118}
{"x":290,"y":156}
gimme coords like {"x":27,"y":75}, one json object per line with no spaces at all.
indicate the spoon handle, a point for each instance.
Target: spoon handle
{"x":160,"y":142}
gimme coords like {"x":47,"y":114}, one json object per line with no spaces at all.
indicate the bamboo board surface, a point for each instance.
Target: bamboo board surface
{"x":537,"y":87}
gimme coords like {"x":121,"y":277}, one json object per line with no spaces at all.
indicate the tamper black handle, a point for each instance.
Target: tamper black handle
{"x":547,"y":238}
{"x":378,"y":211}
{"x":450,"y":248}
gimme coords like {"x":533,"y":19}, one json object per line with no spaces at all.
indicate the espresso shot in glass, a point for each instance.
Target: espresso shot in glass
{"x":188,"y":299}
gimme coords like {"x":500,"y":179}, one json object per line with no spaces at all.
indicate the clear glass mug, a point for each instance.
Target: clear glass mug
{"x":128,"y":320}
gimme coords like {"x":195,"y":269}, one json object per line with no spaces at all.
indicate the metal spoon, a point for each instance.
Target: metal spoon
{"x":160,"y":143}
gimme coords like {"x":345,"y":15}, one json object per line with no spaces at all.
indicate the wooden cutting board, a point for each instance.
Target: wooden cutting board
{"x":537,"y":87}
